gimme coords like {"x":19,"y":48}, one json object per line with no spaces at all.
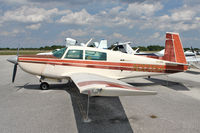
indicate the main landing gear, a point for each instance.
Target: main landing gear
{"x":87,"y":119}
{"x":44,"y":86}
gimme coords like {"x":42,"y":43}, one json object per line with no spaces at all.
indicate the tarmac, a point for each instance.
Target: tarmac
{"x":24,"y":108}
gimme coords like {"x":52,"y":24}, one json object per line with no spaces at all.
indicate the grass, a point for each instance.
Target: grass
{"x":21,"y":52}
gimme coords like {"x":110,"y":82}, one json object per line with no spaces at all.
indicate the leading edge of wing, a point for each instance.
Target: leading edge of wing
{"x":96,"y":85}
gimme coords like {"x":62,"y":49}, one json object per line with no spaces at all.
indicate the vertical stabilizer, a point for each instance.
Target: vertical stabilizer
{"x":174,"y":49}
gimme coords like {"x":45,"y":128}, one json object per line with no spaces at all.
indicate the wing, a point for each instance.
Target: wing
{"x":96,"y":85}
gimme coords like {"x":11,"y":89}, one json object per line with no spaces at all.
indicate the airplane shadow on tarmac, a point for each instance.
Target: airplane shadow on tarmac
{"x":169,"y":84}
{"x":193,"y":72}
{"x":106,"y":113}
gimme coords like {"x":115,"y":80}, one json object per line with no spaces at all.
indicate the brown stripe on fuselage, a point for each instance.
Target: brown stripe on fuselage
{"x":103,"y":65}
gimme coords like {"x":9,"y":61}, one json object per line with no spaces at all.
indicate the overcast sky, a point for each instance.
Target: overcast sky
{"x":36,"y":23}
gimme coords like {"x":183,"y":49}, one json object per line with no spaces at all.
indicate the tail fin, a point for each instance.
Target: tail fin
{"x":174,"y":49}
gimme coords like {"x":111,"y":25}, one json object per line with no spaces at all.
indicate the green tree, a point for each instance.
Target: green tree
{"x":142,"y":48}
{"x":155,"y":47}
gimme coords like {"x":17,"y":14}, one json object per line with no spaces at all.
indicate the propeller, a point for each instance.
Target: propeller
{"x":14,"y":60}
{"x":14,"y":73}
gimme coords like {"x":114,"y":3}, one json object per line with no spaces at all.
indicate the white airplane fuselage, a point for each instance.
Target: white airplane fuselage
{"x":115,"y":65}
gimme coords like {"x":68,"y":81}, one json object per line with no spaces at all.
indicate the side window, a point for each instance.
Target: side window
{"x":94,"y":55}
{"x":74,"y":54}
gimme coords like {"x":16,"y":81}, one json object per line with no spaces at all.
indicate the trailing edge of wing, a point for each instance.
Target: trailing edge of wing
{"x":96,"y":85}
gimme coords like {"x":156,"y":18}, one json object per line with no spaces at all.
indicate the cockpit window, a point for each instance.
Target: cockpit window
{"x":94,"y":55}
{"x":74,"y":54}
{"x":59,"y":53}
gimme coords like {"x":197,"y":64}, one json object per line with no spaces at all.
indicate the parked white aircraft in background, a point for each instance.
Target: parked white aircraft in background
{"x":69,"y":42}
{"x":48,"y":53}
{"x":159,"y":53}
{"x":162,"y":52}
{"x":124,"y":47}
{"x":191,"y":57}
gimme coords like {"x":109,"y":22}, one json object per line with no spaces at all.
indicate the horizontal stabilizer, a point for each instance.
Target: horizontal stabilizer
{"x":174,"y":63}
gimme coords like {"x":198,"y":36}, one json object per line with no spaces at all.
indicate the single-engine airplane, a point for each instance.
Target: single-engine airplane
{"x":96,"y":71}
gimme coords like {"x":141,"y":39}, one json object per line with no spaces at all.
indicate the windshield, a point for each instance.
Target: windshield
{"x":59,"y":53}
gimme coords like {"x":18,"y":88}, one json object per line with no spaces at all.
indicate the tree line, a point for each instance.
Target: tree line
{"x":41,"y":48}
{"x":158,"y":48}
{"x":142,"y":48}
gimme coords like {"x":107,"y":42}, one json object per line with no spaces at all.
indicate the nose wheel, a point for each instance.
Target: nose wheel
{"x":44,"y":86}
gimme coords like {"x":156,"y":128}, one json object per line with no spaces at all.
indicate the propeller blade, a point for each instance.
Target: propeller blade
{"x":14,"y":73}
{"x":14,"y":60}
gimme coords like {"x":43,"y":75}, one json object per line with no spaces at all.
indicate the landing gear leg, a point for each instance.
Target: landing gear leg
{"x":87,"y":119}
{"x":44,"y":86}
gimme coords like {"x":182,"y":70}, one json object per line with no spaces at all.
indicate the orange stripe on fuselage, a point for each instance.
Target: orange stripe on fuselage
{"x":107,"y":65}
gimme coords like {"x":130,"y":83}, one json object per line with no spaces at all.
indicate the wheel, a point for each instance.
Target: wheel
{"x":44,"y":86}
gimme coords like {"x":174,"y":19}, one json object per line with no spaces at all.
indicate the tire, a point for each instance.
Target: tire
{"x":44,"y":86}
